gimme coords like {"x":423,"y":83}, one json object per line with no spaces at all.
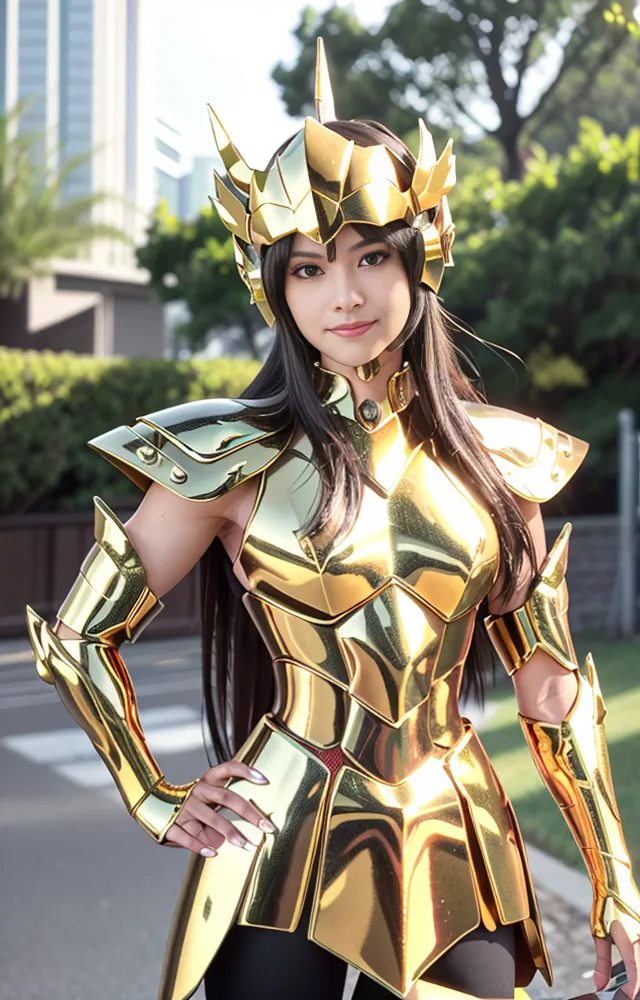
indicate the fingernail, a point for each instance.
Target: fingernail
{"x":267,"y":826}
{"x":240,"y":842}
{"x":258,"y":776}
{"x":206,"y":852}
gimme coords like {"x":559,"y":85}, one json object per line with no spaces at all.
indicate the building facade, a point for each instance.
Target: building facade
{"x":89,"y":67}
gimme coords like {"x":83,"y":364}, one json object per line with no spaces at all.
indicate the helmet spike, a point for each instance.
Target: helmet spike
{"x":238,"y":170}
{"x":325,"y":109}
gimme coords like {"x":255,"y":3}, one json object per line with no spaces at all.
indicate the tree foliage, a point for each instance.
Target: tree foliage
{"x":459,"y":65}
{"x":550,"y":269}
{"x":194,"y":262}
{"x":36,"y":224}
{"x":51,"y":403}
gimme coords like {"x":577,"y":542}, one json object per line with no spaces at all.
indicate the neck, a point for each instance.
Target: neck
{"x":374,"y":388}
{"x":395,"y":388}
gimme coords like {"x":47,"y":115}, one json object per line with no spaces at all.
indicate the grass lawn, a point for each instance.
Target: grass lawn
{"x":618,"y":667}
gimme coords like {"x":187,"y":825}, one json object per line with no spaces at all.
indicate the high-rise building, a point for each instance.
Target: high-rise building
{"x":181,"y":179}
{"x":89,"y":65}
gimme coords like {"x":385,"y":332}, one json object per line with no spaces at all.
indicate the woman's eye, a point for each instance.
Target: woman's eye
{"x":374,"y":257}
{"x":304,"y":269}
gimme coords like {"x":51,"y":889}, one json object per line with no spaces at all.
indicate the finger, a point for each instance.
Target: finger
{"x":212,"y":818}
{"x":234,"y":801}
{"x":602,"y":972}
{"x":177,"y":835}
{"x":203,"y":833}
{"x":629,"y":954}
{"x":233,"y":769}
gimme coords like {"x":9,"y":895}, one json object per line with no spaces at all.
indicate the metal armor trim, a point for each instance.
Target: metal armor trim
{"x":199,"y":450}
{"x":542,"y":622}
{"x":536,"y":459}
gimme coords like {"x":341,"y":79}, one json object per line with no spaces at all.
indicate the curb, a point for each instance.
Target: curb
{"x":563,"y":881}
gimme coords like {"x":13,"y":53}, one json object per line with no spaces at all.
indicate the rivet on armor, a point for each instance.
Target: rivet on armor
{"x":146,"y":453}
{"x":178,"y":475}
{"x":370,"y":411}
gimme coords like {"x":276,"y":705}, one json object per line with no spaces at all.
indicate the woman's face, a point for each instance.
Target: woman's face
{"x":353,"y":307}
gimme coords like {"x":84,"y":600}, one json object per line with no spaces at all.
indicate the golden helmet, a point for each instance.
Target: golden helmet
{"x":321,"y":181}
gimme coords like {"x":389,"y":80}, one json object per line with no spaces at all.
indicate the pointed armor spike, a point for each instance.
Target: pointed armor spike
{"x":239,"y":171}
{"x":427,"y":154}
{"x":325,"y":109}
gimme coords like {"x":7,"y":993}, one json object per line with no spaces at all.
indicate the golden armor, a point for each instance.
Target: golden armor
{"x":415,"y":840}
{"x":572,"y":756}
{"x":321,"y":182}
{"x":109,"y":603}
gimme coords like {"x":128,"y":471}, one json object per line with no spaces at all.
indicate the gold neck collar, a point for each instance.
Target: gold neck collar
{"x":335,"y":390}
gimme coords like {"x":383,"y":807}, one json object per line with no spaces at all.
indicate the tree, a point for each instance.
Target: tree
{"x":457,"y":64}
{"x":550,"y":269}
{"x":194,"y":262}
{"x":35,"y":224}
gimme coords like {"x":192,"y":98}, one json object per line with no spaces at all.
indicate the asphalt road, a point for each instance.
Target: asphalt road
{"x":86,"y":896}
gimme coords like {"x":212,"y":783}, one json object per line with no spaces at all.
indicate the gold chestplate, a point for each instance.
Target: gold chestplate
{"x":415,"y":840}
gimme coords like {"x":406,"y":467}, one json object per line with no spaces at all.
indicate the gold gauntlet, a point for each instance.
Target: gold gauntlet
{"x":571,"y":756}
{"x":573,"y":762}
{"x":109,"y":602}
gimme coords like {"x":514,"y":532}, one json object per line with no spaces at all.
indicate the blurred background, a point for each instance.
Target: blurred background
{"x":119,"y":295}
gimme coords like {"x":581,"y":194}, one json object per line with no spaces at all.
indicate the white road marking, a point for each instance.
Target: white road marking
{"x":70,"y":753}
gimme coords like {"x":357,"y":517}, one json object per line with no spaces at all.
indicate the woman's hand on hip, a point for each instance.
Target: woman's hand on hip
{"x":199,"y":826}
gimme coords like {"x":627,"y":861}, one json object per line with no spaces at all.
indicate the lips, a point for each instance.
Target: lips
{"x":352,"y":329}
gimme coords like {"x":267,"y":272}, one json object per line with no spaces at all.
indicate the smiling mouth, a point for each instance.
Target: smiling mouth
{"x":351,"y":329}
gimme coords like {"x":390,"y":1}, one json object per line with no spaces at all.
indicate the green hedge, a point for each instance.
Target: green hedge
{"x":51,"y":404}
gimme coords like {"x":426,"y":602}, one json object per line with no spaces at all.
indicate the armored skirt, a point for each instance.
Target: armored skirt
{"x":372,"y":770}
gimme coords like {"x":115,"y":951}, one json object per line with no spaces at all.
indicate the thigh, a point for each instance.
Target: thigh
{"x":483,"y":964}
{"x":254,"y":962}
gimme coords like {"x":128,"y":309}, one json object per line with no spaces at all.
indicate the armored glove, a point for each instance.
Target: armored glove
{"x":109,"y":603}
{"x":571,"y":756}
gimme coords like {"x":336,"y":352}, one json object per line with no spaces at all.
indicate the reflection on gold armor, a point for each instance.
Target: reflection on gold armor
{"x":368,"y":637}
{"x":415,"y":839}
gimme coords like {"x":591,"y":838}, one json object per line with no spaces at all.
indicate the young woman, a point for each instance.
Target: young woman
{"x":365,"y":525}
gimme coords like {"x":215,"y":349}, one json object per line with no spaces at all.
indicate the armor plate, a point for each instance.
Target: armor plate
{"x":368,"y":636}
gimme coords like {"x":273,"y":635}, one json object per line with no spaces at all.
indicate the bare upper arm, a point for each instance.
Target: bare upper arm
{"x":170,"y":534}
{"x":545,"y":690}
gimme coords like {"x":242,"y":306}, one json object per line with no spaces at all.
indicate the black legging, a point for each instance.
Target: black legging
{"x":257,"y":964}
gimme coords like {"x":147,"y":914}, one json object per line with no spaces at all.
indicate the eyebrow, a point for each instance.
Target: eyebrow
{"x":356,"y":246}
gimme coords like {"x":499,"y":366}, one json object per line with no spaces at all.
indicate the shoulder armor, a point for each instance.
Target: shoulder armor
{"x":535,"y":458}
{"x":199,"y":450}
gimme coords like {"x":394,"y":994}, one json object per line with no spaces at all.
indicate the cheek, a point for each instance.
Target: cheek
{"x":398,"y":297}
{"x":295,"y":300}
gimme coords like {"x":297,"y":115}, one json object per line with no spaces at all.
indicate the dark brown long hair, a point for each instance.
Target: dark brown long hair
{"x":237,"y":673}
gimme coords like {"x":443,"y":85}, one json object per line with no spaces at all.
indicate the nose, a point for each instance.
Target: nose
{"x":346,"y":293}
